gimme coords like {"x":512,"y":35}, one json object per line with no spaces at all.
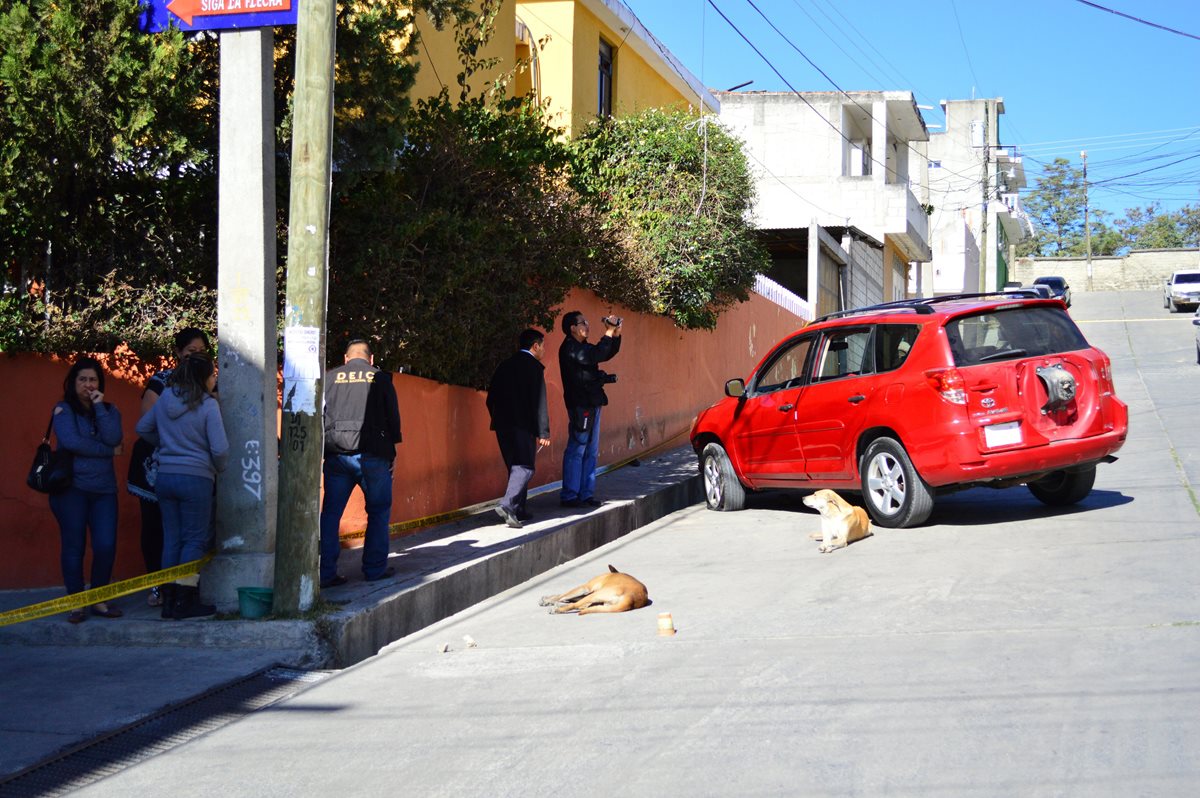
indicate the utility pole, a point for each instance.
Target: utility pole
{"x":246,"y":298}
{"x":987,"y":168}
{"x":296,"y":552}
{"x":1087,"y":221}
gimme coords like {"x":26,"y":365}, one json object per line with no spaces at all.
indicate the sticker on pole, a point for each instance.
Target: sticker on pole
{"x":189,"y":15}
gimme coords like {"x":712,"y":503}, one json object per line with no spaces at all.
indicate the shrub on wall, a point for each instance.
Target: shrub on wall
{"x":474,"y":235}
{"x":107,"y":183}
{"x":678,"y":192}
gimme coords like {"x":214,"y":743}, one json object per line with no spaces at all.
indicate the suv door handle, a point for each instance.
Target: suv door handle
{"x":856,"y":399}
{"x":787,"y":407}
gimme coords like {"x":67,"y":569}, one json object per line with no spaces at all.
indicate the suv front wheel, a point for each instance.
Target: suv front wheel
{"x":1064,"y":487}
{"x":722,"y":489}
{"x":895,"y":494}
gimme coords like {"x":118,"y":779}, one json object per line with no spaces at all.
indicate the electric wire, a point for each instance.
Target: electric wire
{"x":1138,"y":19}
{"x":794,"y":46}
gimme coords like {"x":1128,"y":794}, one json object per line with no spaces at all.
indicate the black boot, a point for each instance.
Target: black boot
{"x":189,"y":606}
{"x":167,"y":592}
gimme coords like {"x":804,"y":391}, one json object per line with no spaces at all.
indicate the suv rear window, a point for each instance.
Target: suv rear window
{"x":1011,"y":333}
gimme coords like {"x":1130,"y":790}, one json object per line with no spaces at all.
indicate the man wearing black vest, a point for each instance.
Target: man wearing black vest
{"x":583,"y":391}
{"x":362,"y":428}
{"x":517,"y":402}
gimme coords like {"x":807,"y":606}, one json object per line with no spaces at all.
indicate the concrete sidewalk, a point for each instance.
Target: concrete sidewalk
{"x":63,"y":684}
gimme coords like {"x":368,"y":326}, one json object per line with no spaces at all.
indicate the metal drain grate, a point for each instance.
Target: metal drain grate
{"x":158,"y":733}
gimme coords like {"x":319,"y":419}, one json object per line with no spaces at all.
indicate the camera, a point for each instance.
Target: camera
{"x":606,"y":378}
{"x":612,"y":321}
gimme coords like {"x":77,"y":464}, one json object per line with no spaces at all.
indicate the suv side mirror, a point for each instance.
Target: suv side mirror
{"x":735,"y":388}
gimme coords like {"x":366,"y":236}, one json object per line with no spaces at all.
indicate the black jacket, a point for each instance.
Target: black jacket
{"x":517,"y":401}
{"x":362,"y":414}
{"x":516,"y":396}
{"x":577,"y":363}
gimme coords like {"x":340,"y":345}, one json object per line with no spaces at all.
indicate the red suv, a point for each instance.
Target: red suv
{"x":909,"y":399}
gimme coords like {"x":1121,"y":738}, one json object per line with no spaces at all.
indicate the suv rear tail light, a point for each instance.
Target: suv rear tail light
{"x":1106,"y":380}
{"x":949,"y":384}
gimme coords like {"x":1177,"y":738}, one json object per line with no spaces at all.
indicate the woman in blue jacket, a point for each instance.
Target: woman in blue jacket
{"x":90,"y":429}
{"x":185,"y":424}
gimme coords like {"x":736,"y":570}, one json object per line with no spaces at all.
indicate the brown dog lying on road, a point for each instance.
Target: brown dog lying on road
{"x":841,"y":522}
{"x":611,"y":592}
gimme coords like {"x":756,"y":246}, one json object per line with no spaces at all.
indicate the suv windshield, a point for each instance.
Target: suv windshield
{"x":1056,"y":283}
{"x":1189,"y":277}
{"x":1014,"y":332}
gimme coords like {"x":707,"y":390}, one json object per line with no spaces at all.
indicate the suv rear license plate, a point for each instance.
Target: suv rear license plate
{"x":1005,"y":434}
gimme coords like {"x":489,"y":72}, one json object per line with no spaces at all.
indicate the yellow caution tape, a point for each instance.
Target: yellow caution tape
{"x":99,"y":594}
{"x":398,"y":529}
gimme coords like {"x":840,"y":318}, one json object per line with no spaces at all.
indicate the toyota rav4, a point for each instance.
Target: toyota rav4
{"x":907,"y":400}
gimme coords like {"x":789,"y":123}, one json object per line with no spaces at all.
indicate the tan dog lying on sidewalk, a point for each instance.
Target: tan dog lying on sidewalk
{"x":841,"y":522}
{"x":611,"y":592}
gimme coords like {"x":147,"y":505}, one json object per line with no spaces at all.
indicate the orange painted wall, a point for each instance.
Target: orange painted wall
{"x":449,"y":457}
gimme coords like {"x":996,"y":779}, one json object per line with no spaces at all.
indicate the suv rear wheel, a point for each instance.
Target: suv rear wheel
{"x":895,"y":494}
{"x":1064,"y":487}
{"x":722,"y":490}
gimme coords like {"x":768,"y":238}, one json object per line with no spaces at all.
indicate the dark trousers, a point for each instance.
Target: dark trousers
{"x":518,"y":449}
{"x":78,"y":512}
{"x":152,"y":535}
{"x":374,"y":475}
{"x":186,"y":503}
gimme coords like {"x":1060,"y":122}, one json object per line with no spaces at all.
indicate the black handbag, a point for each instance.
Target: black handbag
{"x":51,"y":471}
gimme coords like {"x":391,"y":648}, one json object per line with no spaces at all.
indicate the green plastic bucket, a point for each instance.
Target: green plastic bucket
{"x":255,"y":602}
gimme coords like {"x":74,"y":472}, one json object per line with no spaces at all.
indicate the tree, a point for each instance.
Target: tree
{"x":678,"y":192}
{"x":1056,"y":207}
{"x":108,"y":146}
{"x":1152,"y":228}
{"x":473,"y":233}
{"x":107,"y":187}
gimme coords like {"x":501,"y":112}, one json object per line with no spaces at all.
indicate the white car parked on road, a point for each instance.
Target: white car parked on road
{"x":1182,"y":290}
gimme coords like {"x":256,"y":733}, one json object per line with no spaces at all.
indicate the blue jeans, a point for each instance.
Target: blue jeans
{"x":77,"y":512}
{"x":579,"y":461}
{"x":374,"y":475}
{"x":186,"y":503}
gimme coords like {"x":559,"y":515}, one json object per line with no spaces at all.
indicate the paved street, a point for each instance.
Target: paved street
{"x":1002,"y":649}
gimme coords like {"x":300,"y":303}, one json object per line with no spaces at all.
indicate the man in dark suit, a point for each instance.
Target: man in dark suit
{"x":517,"y":401}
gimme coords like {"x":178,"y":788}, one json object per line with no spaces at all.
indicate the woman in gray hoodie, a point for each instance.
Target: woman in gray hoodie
{"x":185,"y":424}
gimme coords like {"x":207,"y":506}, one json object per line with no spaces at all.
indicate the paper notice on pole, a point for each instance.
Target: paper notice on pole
{"x":301,"y":353}
{"x":301,"y":367}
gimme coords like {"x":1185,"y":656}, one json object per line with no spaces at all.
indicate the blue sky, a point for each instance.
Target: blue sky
{"x":1073,"y":77}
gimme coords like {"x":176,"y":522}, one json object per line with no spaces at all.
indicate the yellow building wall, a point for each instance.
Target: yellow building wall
{"x":437,"y":55}
{"x":554,"y":21}
{"x":895,"y":272}
{"x":570,"y":65}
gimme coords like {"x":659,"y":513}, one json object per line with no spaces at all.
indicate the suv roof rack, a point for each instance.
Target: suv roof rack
{"x":922,"y":305}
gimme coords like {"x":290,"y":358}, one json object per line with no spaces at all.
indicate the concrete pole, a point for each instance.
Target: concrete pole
{"x":296,"y":578}
{"x":246,"y":296}
{"x":1087,"y":221}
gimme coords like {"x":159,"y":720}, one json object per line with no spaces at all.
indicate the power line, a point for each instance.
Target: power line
{"x":966,"y":50}
{"x":1137,"y":19}
{"x":1037,"y":144}
{"x":1144,"y":171}
{"x":869,"y":113}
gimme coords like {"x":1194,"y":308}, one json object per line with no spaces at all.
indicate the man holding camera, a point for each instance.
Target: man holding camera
{"x":583,"y":392}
